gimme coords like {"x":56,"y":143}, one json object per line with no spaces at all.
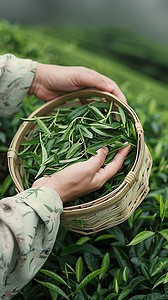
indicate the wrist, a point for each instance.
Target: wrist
{"x":46,"y":182}
{"x":36,"y":82}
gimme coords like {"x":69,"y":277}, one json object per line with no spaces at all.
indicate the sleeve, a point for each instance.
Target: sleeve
{"x":29,"y":223}
{"x":16,"y":76}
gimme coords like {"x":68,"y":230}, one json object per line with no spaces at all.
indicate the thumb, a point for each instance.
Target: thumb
{"x":96,"y":161}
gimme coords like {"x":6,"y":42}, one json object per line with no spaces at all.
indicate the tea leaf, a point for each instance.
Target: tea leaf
{"x":164,"y":233}
{"x":141,"y":237}
{"x":97,"y":112}
{"x":110,"y":296}
{"x":87,"y":279}
{"x":42,"y":126}
{"x":75,"y":147}
{"x":123,"y":117}
{"x":160,"y":266}
{"x":79,"y":111}
{"x":91,"y":151}
{"x":104,"y":265}
{"x":53,"y":288}
{"x":79,"y":269}
{"x":159,"y":281}
{"x":54,"y":276}
{"x":125,"y":275}
{"x":86,"y":132}
{"x":128,"y":289}
{"x":104,"y":237}
{"x":82,"y":240}
{"x":31,"y":142}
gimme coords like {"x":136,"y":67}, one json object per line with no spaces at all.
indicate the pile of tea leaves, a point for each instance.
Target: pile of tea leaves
{"x":73,"y":134}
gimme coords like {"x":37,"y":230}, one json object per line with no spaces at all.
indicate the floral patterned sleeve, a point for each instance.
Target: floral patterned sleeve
{"x":29,"y":221}
{"x":16,"y":76}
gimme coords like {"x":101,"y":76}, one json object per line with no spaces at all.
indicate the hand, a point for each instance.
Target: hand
{"x":84,"y":177}
{"x":51,"y":81}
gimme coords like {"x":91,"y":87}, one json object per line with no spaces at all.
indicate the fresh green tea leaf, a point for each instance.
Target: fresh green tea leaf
{"x":141,"y":237}
{"x":79,"y":269}
{"x":54,"y":288}
{"x":54,"y":276}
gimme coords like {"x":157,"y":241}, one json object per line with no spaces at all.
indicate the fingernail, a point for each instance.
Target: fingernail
{"x":105,"y":150}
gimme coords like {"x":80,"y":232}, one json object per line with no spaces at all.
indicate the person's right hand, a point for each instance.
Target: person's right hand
{"x":51,"y":81}
{"x":84,"y":177}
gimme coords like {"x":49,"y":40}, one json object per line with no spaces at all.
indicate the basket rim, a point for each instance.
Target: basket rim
{"x":116,"y":193}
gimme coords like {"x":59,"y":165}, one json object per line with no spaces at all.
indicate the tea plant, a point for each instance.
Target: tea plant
{"x":131,"y":272}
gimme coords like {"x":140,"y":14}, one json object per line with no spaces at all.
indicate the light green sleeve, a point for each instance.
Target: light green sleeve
{"x":16,"y":76}
{"x":29,"y":223}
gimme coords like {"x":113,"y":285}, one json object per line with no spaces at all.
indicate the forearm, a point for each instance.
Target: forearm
{"x":16,"y":76}
{"x":29,"y":223}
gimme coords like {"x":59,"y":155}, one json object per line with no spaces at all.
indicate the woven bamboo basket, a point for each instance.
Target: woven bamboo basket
{"x":111,"y":209}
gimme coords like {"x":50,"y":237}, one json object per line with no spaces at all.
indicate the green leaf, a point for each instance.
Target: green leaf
{"x":42,"y":126}
{"x":104,"y":237}
{"x":156,"y":247}
{"x":123,"y":117}
{"x":5,"y":185}
{"x":54,"y":276}
{"x":44,"y":154}
{"x":75,"y":147}
{"x":133,"y":131}
{"x":54,"y":295}
{"x":144,"y":270}
{"x":80,"y":248}
{"x":104,"y":265}
{"x":91,"y":261}
{"x":166,"y":279}
{"x":111,"y":296}
{"x":162,"y":264}
{"x":97,"y":112}
{"x":86,"y":132}
{"x":82,"y":240}
{"x":65,"y":135}
{"x":79,"y":268}
{"x":88,"y":278}
{"x":2,"y":137}
{"x":159,"y":281}
{"x":40,"y":171}
{"x":70,"y":160}
{"x":129,"y":288}
{"x":79,"y":111}
{"x":125,"y":275}
{"x":141,"y":237}
{"x":53,"y":288}
{"x":116,"y":285}
{"x":122,"y":259}
{"x":152,"y":265}
{"x":162,"y":212}
{"x":100,"y":132}
{"x":31,"y":142}
{"x":91,"y":151}
{"x":103,"y":126}
{"x":164,"y":233}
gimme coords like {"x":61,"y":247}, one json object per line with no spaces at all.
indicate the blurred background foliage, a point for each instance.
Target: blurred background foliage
{"x":140,"y":67}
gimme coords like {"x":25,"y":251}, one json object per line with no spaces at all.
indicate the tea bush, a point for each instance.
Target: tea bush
{"x":128,"y":261}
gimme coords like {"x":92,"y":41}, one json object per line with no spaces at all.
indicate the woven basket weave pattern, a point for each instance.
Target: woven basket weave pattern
{"x":111,"y":209}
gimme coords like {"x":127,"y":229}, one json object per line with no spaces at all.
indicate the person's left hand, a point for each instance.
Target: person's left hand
{"x":83,"y":177}
{"x":51,"y":81}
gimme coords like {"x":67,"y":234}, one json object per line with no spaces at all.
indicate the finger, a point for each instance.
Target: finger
{"x":96,"y":161}
{"x":113,"y":88}
{"x":112,"y":168}
{"x":91,"y":78}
